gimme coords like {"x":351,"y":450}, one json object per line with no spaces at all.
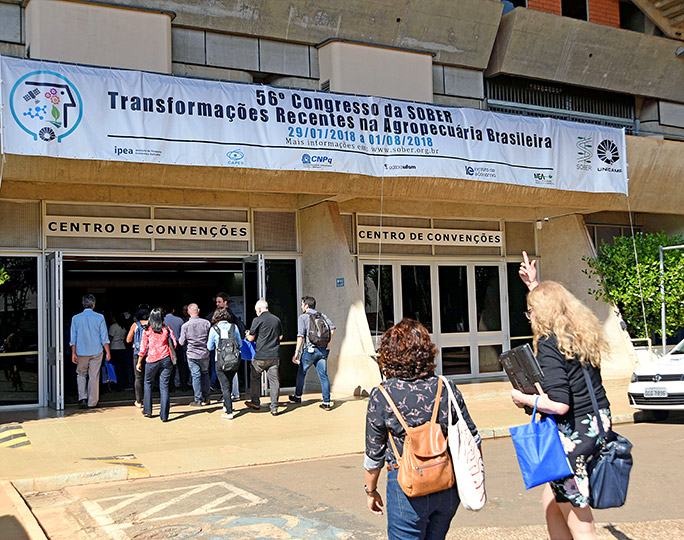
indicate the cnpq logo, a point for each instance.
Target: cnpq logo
{"x":315,"y":162}
{"x":46,"y":105}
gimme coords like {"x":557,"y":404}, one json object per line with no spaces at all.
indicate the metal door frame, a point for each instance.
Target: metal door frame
{"x":54,"y":330}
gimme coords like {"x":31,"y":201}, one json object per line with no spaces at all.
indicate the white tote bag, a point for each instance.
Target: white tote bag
{"x":466,"y":457}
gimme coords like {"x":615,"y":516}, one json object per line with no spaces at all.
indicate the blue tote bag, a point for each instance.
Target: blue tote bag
{"x":540,"y":452}
{"x":108,"y":373}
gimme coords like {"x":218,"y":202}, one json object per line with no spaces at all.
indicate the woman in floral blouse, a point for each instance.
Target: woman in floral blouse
{"x":407,"y":360}
{"x":567,"y":338}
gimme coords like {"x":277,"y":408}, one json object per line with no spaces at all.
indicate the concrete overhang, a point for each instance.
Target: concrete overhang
{"x":654,"y":169}
{"x":542,"y":46}
{"x":458,"y":32}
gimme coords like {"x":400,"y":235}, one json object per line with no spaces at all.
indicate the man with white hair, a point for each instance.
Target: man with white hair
{"x":266,"y":331}
{"x":193,"y":336}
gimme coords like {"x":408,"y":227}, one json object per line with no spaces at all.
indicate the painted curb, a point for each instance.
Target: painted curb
{"x":56,"y":482}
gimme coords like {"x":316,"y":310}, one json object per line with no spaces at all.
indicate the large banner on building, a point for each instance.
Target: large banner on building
{"x":67,"y":111}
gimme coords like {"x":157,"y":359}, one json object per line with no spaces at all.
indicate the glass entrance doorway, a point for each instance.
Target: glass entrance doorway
{"x":462,"y":304}
{"x":121,"y":284}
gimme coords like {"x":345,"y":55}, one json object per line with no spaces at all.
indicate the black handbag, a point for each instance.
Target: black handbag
{"x":610,"y":467}
{"x":172,"y":349}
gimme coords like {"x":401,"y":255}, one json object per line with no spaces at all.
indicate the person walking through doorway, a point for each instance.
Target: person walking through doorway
{"x":140,"y":324}
{"x":194,"y":336}
{"x":266,"y":331}
{"x":117,"y":345}
{"x":88,"y":338}
{"x":313,"y":348}
{"x":222,"y":303}
{"x":155,"y":348}
{"x":181,"y":373}
{"x":221,"y":332}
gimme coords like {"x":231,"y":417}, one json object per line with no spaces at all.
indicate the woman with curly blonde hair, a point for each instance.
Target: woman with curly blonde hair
{"x":568,"y":338}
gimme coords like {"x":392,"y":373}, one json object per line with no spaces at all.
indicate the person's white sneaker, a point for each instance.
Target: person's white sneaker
{"x":224,"y":409}
{"x":227,"y":416}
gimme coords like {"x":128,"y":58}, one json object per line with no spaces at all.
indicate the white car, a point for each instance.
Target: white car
{"x":659,"y":386}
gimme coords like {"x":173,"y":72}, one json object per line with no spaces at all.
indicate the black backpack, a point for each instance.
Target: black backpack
{"x":227,"y":350}
{"x":319,"y":331}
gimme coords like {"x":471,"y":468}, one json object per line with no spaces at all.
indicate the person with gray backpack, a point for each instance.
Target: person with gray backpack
{"x":224,"y":338}
{"x":314,"y":333}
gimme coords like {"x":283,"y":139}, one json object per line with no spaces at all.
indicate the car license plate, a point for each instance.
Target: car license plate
{"x":655,"y":392}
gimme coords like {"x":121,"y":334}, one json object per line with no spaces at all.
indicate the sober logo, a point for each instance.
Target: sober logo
{"x":469,"y":171}
{"x":46,"y":105}
{"x":607,"y":151}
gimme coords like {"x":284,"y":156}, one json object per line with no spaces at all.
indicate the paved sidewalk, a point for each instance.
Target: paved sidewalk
{"x":117,"y":443}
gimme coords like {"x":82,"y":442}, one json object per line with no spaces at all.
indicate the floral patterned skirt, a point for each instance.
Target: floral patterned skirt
{"x":580,"y":441}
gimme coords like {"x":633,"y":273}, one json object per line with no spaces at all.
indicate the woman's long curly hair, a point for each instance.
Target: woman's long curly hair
{"x":578,"y":331}
{"x":406,"y":351}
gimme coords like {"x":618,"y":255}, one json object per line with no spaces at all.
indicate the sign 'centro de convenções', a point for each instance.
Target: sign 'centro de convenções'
{"x":69,"y":111}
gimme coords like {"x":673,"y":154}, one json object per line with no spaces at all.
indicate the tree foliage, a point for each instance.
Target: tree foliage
{"x":4,"y":276}
{"x":615,"y":270}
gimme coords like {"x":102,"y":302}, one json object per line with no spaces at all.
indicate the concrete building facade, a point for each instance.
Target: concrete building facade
{"x":304,"y":225}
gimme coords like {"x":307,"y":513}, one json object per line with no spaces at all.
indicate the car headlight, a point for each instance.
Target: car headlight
{"x":634,"y":377}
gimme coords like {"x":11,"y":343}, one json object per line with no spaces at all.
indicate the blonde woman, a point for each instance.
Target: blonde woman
{"x":567,"y":338}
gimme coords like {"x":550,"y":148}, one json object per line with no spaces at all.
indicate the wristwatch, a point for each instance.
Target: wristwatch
{"x":369,"y":491}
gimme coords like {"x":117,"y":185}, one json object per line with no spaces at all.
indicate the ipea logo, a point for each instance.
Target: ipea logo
{"x":46,"y":104}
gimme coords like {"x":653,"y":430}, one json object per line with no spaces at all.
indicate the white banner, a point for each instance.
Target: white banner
{"x":77,"y":112}
{"x":108,"y":227}
{"x":428,"y":237}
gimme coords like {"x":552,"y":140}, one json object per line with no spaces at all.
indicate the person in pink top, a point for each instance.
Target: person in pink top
{"x":155,"y":344}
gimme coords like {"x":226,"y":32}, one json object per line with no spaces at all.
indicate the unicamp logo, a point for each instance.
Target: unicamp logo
{"x":46,"y":105}
{"x":607,"y":151}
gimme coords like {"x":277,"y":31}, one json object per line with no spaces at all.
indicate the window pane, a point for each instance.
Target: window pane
{"x":416,"y":294}
{"x":456,"y":361}
{"x":453,"y":299}
{"x":517,"y":303}
{"x":488,"y":298}
{"x":488,"y":356}
{"x":577,"y":9}
{"x":378,"y":297}
{"x":19,"y":331}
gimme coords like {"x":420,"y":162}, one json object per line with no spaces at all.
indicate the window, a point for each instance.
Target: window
{"x":19,"y":331}
{"x":575,"y":9}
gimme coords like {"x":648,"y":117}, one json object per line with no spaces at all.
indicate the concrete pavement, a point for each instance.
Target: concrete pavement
{"x":116,"y":443}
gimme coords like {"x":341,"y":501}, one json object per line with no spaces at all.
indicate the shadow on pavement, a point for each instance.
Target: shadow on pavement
{"x":12,"y":529}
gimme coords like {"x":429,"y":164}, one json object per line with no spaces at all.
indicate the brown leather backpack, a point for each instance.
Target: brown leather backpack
{"x":425,"y":467}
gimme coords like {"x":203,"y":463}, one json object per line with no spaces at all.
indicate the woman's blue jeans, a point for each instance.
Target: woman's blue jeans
{"x":419,"y":518}
{"x":164,"y":368}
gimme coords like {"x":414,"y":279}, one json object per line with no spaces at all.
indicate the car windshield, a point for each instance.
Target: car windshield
{"x":679,"y":349}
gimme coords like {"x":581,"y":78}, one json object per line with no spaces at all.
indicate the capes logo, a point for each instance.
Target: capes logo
{"x":317,"y":161}
{"x":235,"y":157}
{"x":46,"y":104}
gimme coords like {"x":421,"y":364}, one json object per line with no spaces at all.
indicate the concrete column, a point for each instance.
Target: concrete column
{"x":564,"y":241}
{"x":325,"y":259}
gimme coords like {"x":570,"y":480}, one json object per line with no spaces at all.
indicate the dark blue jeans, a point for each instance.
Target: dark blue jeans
{"x":419,"y":518}
{"x":163,"y":368}
{"x":199,"y":369}
{"x":318,"y":358}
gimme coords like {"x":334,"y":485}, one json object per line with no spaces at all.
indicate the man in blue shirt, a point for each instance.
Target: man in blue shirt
{"x":88,"y":336}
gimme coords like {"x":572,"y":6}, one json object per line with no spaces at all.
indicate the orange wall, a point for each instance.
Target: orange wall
{"x":606,"y":12}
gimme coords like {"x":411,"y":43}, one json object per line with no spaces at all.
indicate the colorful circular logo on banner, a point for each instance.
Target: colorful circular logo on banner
{"x":46,"y":105}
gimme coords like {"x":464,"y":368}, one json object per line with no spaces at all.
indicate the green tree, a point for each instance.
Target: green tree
{"x":618,"y":281}
{"x":4,"y":276}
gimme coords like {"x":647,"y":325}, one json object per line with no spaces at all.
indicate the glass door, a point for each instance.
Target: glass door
{"x":490,"y":334}
{"x":54,"y":330}
{"x":275,"y":280}
{"x":454,"y":336}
